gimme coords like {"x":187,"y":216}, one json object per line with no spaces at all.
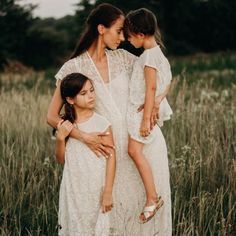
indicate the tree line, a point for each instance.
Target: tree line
{"x":187,"y":26}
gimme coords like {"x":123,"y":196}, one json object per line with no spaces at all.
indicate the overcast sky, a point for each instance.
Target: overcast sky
{"x":52,"y":8}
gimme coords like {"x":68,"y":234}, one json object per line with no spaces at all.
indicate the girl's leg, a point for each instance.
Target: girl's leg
{"x":135,"y":150}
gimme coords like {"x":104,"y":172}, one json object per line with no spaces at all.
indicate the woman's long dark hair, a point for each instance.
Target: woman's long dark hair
{"x":105,"y":14}
{"x":142,"y":21}
{"x":71,"y":85}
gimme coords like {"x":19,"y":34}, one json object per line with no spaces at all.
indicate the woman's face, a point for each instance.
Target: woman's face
{"x":113,"y":36}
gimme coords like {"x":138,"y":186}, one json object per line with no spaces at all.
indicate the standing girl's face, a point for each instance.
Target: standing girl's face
{"x":136,"y":39}
{"x":85,"y":99}
{"x":113,"y":36}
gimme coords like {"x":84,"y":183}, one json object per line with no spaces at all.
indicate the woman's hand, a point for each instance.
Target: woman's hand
{"x":107,"y":203}
{"x":63,"y":129}
{"x":145,"y":127}
{"x":96,"y":143}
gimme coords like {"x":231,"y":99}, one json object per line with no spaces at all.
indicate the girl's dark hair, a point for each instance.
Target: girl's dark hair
{"x":142,"y":21}
{"x":105,"y":14}
{"x":71,"y":85}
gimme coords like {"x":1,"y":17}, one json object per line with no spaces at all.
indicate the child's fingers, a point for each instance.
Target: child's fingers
{"x":103,"y":209}
{"x":59,"y":123}
{"x":67,"y":123}
{"x":106,"y":207}
{"x":102,"y":151}
{"x":140,"y":108}
{"x":70,"y":127}
{"x":145,"y":133}
{"x":101,"y":134}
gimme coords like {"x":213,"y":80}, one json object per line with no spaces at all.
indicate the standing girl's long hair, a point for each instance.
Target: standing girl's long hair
{"x":105,"y":14}
{"x":143,"y":21}
{"x":71,"y":85}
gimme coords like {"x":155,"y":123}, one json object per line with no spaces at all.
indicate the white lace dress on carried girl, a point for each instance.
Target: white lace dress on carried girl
{"x":128,"y":190}
{"x":154,"y":58}
{"x":81,"y":186}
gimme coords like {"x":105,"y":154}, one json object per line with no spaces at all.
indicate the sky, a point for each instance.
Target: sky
{"x":52,"y":8}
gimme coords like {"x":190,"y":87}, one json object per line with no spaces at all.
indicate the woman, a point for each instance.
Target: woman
{"x":110,"y":71}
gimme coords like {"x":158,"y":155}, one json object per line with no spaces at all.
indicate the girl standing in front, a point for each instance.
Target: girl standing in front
{"x":87,"y":182}
{"x":150,"y":78}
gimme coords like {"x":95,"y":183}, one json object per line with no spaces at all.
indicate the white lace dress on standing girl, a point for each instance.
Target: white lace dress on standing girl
{"x":154,"y":58}
{"x":81,"y":186}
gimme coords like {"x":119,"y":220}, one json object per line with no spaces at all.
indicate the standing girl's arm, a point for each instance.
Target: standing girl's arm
{"x":91,"y":140}
{"x":110,"y":175}
{"x":150,"y":80}
{"x":63,"y":130}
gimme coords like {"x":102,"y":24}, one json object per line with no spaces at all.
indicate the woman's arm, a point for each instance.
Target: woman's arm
{"x":92,"y":140}
{"x":110,"y":175}
{"x":150,"y":81}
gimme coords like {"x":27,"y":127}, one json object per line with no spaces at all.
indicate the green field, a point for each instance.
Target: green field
{"x":200,"y":137}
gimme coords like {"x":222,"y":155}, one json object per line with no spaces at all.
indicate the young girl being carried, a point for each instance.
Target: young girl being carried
{"x":87,"y":182}
{"x":150,"y":80}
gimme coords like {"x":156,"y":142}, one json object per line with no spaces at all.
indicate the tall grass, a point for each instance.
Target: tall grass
{"x":29,"y":176}
{"x":200,"y":139}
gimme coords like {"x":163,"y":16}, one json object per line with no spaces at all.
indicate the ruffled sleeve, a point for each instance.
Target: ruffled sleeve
{"x":102,"y":122}
{"x":156,"y":59}
{"x":150,"y":58}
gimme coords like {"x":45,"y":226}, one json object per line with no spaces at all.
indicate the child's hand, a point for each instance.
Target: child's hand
{"x":63,"y":129}
{"x":145,"y":127}
{"x":107,"y":203}
{"x":154,"y":116}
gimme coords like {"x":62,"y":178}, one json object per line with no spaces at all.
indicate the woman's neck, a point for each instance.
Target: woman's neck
{"x":82,"y":114}
{"x":97,"y":50}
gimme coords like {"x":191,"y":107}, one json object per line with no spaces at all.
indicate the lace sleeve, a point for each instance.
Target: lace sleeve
{"x":128,"y":60}
{"x":68,"y":67}
{"x":156,"y":59}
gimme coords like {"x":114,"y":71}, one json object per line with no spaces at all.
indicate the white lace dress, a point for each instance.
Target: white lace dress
{"x":81,"y":186}
{"x":154,"y":58}
{"x":128,"y":192}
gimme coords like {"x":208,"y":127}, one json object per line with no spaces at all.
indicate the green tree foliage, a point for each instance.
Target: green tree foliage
{"x":14,"y":23}
{"x":48,"y":42}
{"x":187,"y":26}
{"x":199,"y":25}
{"x":33,"y":41}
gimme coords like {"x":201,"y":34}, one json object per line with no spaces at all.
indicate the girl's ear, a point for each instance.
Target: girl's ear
{"x":101,"y":29}
{"x":70,"y":100}
{"x":141,"y":35}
